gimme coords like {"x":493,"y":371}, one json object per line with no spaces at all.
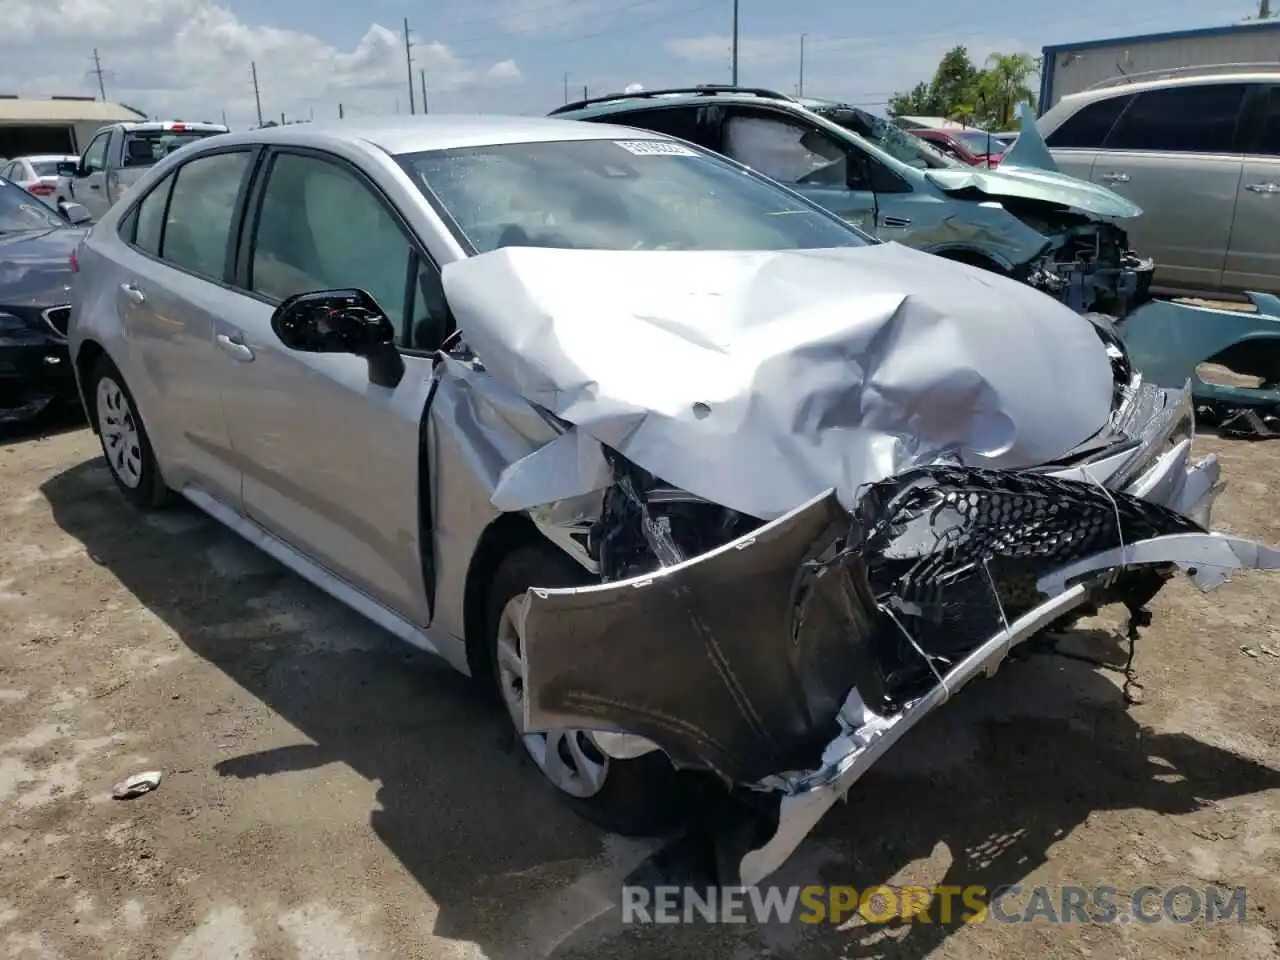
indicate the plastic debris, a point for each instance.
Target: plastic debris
{"x":136,"y":785}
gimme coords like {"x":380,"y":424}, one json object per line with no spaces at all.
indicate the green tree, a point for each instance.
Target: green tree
{"x":918,"y":101}
{"x":960,"y":91}
{"x":1004,"y":84}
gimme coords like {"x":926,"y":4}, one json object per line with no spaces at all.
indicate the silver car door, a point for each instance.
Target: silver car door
{"x":331,"y":460}
{"x":88,"y":186}
{"x":1253,"y":256}
{"x":171,"y":288}
{"x":1174,"y":153}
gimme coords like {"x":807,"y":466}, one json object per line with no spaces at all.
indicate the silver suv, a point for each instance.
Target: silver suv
{"x":1198,"y":149}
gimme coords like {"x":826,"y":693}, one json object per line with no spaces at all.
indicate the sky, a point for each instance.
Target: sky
{"x":192,"y":59}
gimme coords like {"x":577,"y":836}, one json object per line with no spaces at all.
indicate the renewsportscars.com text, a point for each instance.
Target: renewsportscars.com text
{"x":940,"y":904}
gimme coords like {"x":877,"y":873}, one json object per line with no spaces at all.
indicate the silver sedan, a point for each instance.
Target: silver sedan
{"x":634,"y":436}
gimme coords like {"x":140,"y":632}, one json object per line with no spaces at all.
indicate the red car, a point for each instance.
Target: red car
{"x":974,"y":147}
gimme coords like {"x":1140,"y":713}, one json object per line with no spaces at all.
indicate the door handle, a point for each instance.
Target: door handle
{"x":133,"y":292}
{"x":1266,"y":187}
{"x":895,"y":221}
{"x":94,"y":186}
{"x":1115,"y":177}
{"x":234,"y":348}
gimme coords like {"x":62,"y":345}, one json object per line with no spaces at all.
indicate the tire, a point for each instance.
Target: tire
{"x":125,"y":444}
{"x":641,"y":797}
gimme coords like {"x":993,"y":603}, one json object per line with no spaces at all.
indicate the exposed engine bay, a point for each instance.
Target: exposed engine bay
{"x":1088,"y":264}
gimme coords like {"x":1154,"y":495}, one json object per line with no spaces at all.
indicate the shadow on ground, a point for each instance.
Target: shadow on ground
{"x":1009,"y":769}
{"x":49,"y":423}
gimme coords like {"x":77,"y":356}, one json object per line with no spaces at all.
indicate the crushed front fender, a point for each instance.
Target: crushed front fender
{"x":737,"y":661}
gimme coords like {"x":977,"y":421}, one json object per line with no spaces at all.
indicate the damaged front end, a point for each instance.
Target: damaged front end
{"x":786,"y":657}
{"x":1087,"y":265}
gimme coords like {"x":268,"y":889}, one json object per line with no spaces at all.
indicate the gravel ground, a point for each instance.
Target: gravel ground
{"x":329,"y":793}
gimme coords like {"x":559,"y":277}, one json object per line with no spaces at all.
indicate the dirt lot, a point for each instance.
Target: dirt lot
{"x":330,"y":794}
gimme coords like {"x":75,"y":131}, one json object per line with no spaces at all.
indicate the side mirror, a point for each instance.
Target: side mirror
{"x":74,"y":213}
{"x":341,"y":321}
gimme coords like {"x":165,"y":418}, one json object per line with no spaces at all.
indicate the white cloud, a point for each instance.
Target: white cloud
{"x":862,"y":69}
{"x":191,"y":58}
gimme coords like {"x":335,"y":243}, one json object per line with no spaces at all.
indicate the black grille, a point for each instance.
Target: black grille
{"x":952,"y":551}
{"x":57,"y":319}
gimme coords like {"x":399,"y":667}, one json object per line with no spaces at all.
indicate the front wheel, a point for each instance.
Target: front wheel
{"x":125,"y":443}
{"x":644,"y":796}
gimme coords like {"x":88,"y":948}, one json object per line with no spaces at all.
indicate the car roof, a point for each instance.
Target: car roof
{"x":657,"y":100}
{"x":1224,"y":74}
{"x":397,"y":135}
{"x":166,"y":126}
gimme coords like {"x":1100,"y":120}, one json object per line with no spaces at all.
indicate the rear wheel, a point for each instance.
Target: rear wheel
{"x":125,"y":443}
{"x":642,"y":796}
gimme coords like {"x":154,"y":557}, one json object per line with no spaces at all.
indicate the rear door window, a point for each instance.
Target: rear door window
{"x":1200,"y":118}
{"x":197,"y":224}
{"x":1269,"y":137}
{"x":1087,"y":128}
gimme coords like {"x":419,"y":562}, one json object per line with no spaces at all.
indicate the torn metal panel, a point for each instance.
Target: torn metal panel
{"x":737,"y":661}
{"x":845,"y":365}
{"x":1168,"y":341}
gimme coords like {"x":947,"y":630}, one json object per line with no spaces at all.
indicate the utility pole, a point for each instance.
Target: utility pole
{"x":584,"y":92}
{"x":339,"y":111}
{"x":257,"y":96}
{"x":1264,"y":13}
{"x":566,"y":88}
{"x":282,"y":118}
{"x":800,"y":89}
{"x":408,"y":62}
{"x":735,"y":42}
{"x":97,"y":69}
{"x":224,"y":118}
{"x":311,"y":113}
{"x":422,"y":80}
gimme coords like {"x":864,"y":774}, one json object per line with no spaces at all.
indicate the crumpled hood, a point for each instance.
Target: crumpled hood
{"x":1029,"y":172}
{"x":1029,"y":184}
{"x":35,"y":267}
{"x":758,"y":380}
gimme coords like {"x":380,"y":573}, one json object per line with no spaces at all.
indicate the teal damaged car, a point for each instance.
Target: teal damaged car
{"x":1054,"y":232}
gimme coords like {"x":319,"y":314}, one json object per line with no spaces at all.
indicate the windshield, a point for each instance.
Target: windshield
{"x":975,"y":141}
{"x":20,"y":211}
{"x":889,"y":137}
{"x":617,"y":195}
{"x":143,"y":149}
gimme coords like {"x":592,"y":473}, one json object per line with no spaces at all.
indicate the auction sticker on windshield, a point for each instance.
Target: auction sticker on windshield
{"x":656,"y":148}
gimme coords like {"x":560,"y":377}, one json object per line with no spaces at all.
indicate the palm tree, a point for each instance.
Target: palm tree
{"x":1007,"y":74}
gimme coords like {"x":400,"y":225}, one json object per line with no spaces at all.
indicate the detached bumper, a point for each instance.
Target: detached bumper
{"x":867,"y":736}
{"x":788,"y":661}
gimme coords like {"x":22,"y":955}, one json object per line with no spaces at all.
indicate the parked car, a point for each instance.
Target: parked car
{"x":39,"y":174}
{"x":974,"y":148}
{"x":1052,"y":231}
{"x":621,"y":398}
{"x":120,"y":153}
{"x":1199,"y":150}
{"x":35,"y":283}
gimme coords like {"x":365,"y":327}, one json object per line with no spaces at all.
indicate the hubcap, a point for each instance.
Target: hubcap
{"x":119,"y":430}
{"x":568,"y":758}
